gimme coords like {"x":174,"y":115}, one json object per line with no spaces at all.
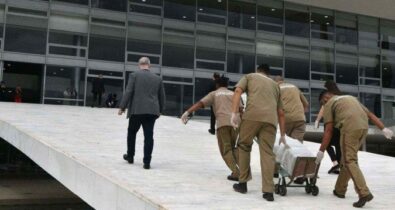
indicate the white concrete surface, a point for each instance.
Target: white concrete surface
{"x":82,"y":148}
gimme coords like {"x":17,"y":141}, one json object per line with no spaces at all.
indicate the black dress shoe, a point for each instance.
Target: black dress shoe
{"x":361,"y":202}
{"x":334,"y":169}
{"x":128,"y":158}
{"x":233,"y":178}
{"x":212,"y":131}
{"x":275,"y":175}
{"x":240,"y":187}
{"x":268,"y":196}
{"x":338,"y":195}
{"x":146,"y":166}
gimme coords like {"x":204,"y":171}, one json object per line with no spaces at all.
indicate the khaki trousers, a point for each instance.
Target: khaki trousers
{"x":266,"y":134}
{"x":350,"y":142}
{"x":227,"y":137}
{"x":296,"y":129}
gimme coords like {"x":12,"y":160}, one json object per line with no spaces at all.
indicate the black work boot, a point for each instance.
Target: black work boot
{"x":338,"y":195}
{"x":268,"y":196}
{"x":233,"y":178}
{"x":128,"y":158}
{"x":361,"y":202}
{"x":241,"y":187}
{"x":146,"y":166}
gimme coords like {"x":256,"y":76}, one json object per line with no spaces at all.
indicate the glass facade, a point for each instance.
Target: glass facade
{"x":188,"y":40}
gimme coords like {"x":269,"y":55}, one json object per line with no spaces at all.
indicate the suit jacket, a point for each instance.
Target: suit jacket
{"x":144,"y":94}
{"x":98,"y":86}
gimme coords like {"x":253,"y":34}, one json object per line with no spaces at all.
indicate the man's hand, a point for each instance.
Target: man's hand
{"x":235,"y":119}
{"x":320,"y":156}
{"x":120,"y":112}
{"x":387,"y":133}
{"x":282,"y":140}
{"x":316,"y":124}
{"x":184,"y":117}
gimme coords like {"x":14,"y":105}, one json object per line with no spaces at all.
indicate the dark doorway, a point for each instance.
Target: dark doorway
{"x":28,"y":76}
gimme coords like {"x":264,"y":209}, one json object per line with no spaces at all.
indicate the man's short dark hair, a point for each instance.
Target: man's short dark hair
{"x":322,"y":94}
{"x":222,"y":81}
{"x":265,"y":68}
{"x":216,"y":75}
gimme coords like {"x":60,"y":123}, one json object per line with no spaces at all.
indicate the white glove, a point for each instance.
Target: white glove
{"x":320,"y":156}
{"x":316,"y":124}
{"x":235,"y":120}
{"x":282,"y":140}
{"x":387,"y":133}
{"x":184,"y":117}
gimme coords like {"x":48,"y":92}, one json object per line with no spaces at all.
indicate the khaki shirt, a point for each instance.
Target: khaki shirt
{"x":346,"y":113}
{"x":293,"y":100}
{"x":263,"y":98}
{"x":221,"y":100}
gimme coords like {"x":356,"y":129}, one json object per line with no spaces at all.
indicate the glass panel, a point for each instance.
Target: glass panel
{"x":152,"y":7}
{"x":346,"y":68}
{"x":178,"y":98}
{"x":297,"y":59}
{"x":178,"y":49}
{"x":322,"y":24}
{"x":241,"y":56}
{"x":270,"y":16}
{"x":202,"y":88}
{"x":322,"y":59}
{"x":387,"y":29}
{"x":346,"y":29}
{"x":372,"y":102}
{"x":86,"y":2}
{"x":297,"y":21}
{"x":144,"y":40}
{"x":388,"y":71}
{"x":210,"y":51}
{"x":26,"y":34}
{"x":111,"y":86}
{"x":241,"y":15}
{"x":65,"y":82}
{"x":270,"y":52}
{"x":117,"y":5}
{"x":389,"y":110}
{"x":314,"y":103}
{"x":180,"y":9}
{"x":67,"y":38}
{"x":212,"y":11}
{"x":107,"y":43}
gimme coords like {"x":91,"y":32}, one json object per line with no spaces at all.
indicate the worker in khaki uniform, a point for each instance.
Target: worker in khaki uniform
{"x":263,"y":112}
{"x":221,"y":101}
{"x":295,"y":105}
{"x":351,"y":117}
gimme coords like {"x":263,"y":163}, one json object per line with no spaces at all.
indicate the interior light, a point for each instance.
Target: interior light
{"x":61,"y":69}
{"x":273,"y":10}
{"x":143,"y":0}
{"x":385,"y":68}
{"x":326,"y":16}
{"x":54,"y":73}
{"x":8,"y":64}
{"x":184,"y":17}
{"x":328,"y":23}
{"x":252,"y":17}
{"x":200,"y":9}
{"x":219,"y":1}
{"x":312,"y":21}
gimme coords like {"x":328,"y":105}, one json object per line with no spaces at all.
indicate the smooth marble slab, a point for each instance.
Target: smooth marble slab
{"x":82,"y":147}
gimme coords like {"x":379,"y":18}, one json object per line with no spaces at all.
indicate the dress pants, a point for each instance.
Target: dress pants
{"x":148,"y":123}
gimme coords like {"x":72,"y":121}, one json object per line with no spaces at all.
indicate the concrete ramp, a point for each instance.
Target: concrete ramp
{"x":82,"y":148}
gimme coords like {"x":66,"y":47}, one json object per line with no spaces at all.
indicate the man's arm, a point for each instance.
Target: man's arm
{"x":236,"y":100}
{"x":196,"y":107}
{"x":327,"y":136}
{"x":127,"y":95}
{"x":375,"y":120}
{"x":304,"y":102}
{"x":281,"y":121}
{"x":162,"y":97}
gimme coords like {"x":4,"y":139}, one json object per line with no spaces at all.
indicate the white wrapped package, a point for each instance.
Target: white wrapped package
{"x":280,"y":149}
{"x":291,"y":154}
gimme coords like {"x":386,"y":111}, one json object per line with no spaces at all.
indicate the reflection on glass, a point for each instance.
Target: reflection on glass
{"x":178,"y":49}
{"x":210,"y":51}
{"x":346,"y":68}
{"x":152,"y":7}
{"x":297,"y":21}
{"x":322,"y":59}
{"x":117,"y":5}
{"x":346,"y":29}
{"x":86,"y":2}
{"x":372,"y":102}
{"x":241,"y":57}
{"x":202,"y":88}
{"x":107,"y":43}
{"x":66,"y":84}
{"x":178,"y":98}
{"x":180,"y":9}
{"x":111,"y":86}
{"x":389,"y":108}
{"x":270,"y":16}
{"x":212,"y":11}
{"x":241,"y":15}
{"x":297,"y":61}
{"x":270,"y":52}
{"x":388,"y":71}
{"x":322,"y":24}
{"x":62,"y":43}
{"x":144,"y":40}
{"x":387,"y":29}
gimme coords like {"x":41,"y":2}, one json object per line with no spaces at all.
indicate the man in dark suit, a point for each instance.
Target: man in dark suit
{"x":145,"y":98}
{"x":98,"y":90}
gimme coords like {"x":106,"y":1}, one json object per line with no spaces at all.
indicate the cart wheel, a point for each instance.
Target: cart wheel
{"x":308,"y":189}
{"x":283,"y":190}
{"x":276,"y":189}
{"x":315,"y":190}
